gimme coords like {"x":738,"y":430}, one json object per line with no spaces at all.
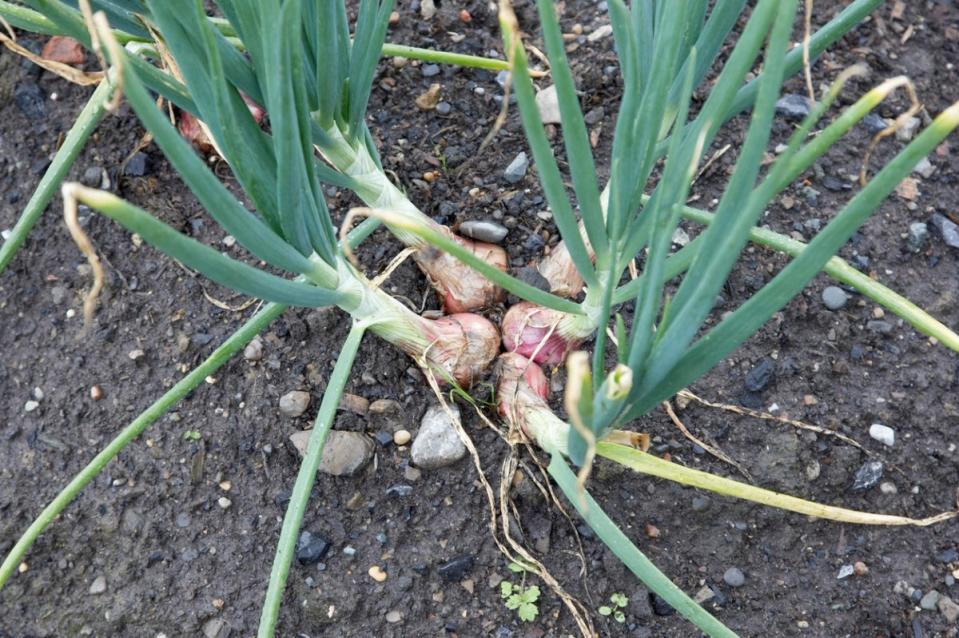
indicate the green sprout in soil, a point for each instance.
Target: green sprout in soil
{"x":192,"y":435}
{"x":617,"y":603}
{"x":521,"y":599}
{"x":630,"y":339}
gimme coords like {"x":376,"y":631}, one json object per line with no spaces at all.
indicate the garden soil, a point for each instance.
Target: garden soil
{"x":148,"y":549}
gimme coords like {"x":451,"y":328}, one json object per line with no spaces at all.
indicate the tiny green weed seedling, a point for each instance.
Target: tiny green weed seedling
{"x":192,"y":435}
{"x":519,"y":597}
{"x":615,"y":609}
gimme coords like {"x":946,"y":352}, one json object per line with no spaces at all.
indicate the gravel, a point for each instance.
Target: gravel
{"x":929,"y":600}
{"x":793,"y":106}
{"x":486,"y":230}
{"x":437,"y":443}
{"x":867,"y":475}
{"x":516,"y":170}
{"x":311,"y":548}
{"x":456,"y":568}
{"x":547,"y":102}
{"x":734,"y":577}
{"x":294,"y":403}
{"x":882,"y":433}
{"x":834,"y":297}
{"x":948,"y":230}
{"x":917,"y":237}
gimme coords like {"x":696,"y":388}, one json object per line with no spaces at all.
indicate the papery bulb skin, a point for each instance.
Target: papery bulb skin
{"x":520,"y":382}
{"x":460,"y":288}
{"x":462,"y":346}
{"x":561,"y":273}
{"x":191,"y":130}
{"x":526,"y":326}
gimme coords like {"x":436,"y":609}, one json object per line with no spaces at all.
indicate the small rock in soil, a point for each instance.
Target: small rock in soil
{"x":834,"y":297}
{"x":98,"y":586}
{"x":793,"y":106}
{"x":879,"y":327}
{"x":437,"y":444}
{"x":393,"y":616}
{"x":533,"y":277}
{"x":455,"y":569}
{"x":383,"y":438}
{"x":402,"y":437}
{"x":875,"y":123}
{"x":734,"y":577}
{"x":867,"y":475}
{"x":516,"y":170}
{"x":845,"y":572}
{"x":948,"y":609}
{"x":354,"y":403}
{"x":345,"y":453}
{"x":215,"y":628}
{"x":700,"y":503}
{"x":294,"y":403}
{"x":760,"y":376}
{"x":253,"y":350}
{"x":430,"y":70}
{"x":918,"y":234}
{"x":835,"y":184}
{"x":137,"y":166}
{"x":547,"y":102}
{"x":928,"y":602}
{"x":660,"y":606}
{"x":92,"y":177}
{"x":311,"y":549}
{"x":882,"y":433}
{"x":925,"y":168}
{"x":31,"y":101}
{"x":908,"y":130}
{"x":485,"y":230}
{"x":948,"y":230}
{"x":399,"y":490}
{"x":444,"y":108}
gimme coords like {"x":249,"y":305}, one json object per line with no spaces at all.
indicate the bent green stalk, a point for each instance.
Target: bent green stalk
{"x":305,"y":480}
{"x":256,"y":324}
{"x":632,"y":557}
{"x":63,"y":161}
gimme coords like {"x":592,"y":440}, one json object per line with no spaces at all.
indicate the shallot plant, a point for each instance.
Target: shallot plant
{"x":297,"y":60}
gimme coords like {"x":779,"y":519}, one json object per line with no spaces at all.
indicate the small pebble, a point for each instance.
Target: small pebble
{"x":867,"y":475}
{"x":437,"y":443}
{"x":888,"y":487}
{"x":30,"y":406}
{"x":98,"y":586}
{"x":377,"y":573}
{"x":294,"y":403}
{"x":734,"y":577}
{"x":311,"y":548}
{"x":253,"y":350}
{"x":845,"y":572}
{"x":136,"y":355}
{"x":394,"y":616}
{"x":948,"y":230}
{"x":224,"y":502}
{"x":882,"y":433}
{"x":484,"y":230}
{"x":444,"y":108}
{"x":516,"y":170}
{"x":949,"y":609}
{"x":96,"y":393}
{"x":925,"y":168}
{"x":860,"y":568}
{"x":908,"y":130}
{"x":929,"y":600}
{"x":547,"y":102}
{"x":917,"y":237}
{"x":430,"y":70}
{"x":793,"y":106}
{"x":402,"y":437}
{"x":455,"y":569}
{"x":834,"y":297}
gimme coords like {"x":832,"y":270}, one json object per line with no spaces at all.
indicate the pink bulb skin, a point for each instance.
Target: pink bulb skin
{"x":526,"y":326}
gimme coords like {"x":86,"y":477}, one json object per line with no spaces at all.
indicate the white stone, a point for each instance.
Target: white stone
{"x":548,"y":104}
{"x":845,"y":572}
{"x":882,"y":433}
{"x":30,"y":406}
{"x":437,"y":443}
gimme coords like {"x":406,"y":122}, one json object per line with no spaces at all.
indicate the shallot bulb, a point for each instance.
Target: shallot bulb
{"x":461,"y":346}
{"x":462,"y":289}
{"x":521,"y":385}
{"x":538,"y":333}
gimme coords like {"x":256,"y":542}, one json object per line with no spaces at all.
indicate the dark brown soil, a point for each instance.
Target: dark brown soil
{"x":174,"y":560}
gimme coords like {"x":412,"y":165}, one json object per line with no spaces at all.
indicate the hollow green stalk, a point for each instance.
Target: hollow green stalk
{"x":253,"y":326}
{"x":76,"y":138}
{"x":305,"y":479}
